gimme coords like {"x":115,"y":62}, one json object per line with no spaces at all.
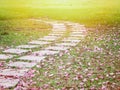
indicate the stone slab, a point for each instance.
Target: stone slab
{"x":82,"y":30}
{"x":32,"y":58}
{"x":16,"y":51}
{"x":39,"y":42}
{"x":77,"y":35}
{"x":13,"y":72}
{"x":6,"y":56}
{"x":69,"y":40}
{"x":58,"y":32}
{"x":55,"y":34}
{"x":59,"y":29}
{"x":59,"y":25}
{"x":47,"y":39}
{"x":21,"y":64}
{"x":73,"y":38}
{"x":51,"y":37}
{"x":8,"y":82}
{"x":45,"y":52}
{"x":1,"y":48}
{"x":70,"y":24}
{"x":28,"y":46}
{"x":66,"y":44}
{"x":57,"y":48}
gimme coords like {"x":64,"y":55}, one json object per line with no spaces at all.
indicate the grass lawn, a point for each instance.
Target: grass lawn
{"x":89,"y":12}
{"x":93,"y":64}
{"x":20,"y":31}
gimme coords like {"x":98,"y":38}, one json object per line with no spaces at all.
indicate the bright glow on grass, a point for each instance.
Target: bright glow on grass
{"x":57,"y":3}
{"x":60,"y":1}
{"x":83,"y":11}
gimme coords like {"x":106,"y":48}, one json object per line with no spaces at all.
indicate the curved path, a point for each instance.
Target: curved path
{"x":25,"y":57}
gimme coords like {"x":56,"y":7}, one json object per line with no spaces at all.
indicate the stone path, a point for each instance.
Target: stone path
{"x":52,"y":45}
{"x":6,"y":56}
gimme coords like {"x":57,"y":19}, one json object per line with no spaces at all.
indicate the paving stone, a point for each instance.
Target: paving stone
{"x":45,"y":52}
{"x":61,"y":26}
{"x":58,"y":32}
{"x":16,"y":51}
{"x":73,"y":38}
{"x":32,"y":58}
{"x":69,"y":40}
{"x":8,"y":82}
{"x":22,"y":64}
{"x":82,"y":30}
{"x":50,"y":37}
{"x":47,"y":39}
{"x":77,"y":35}
{"x":55,"y":34}
{"x":13,"y":72}
{"x":39,"y":42}
{"x":78,"y":27}
{"x":28,"y":46}
{"x":74,"y":33}
{"x":66,"y":44}
{"x":58,"y":25}
{"x":55,"y":28}
{"x":1,"y":48}
{"x":6,"y":56}
{"x":58,"y":48}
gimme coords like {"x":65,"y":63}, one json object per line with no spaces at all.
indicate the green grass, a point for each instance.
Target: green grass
{"x":89,"y":12}
{"x":19,"y":31}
